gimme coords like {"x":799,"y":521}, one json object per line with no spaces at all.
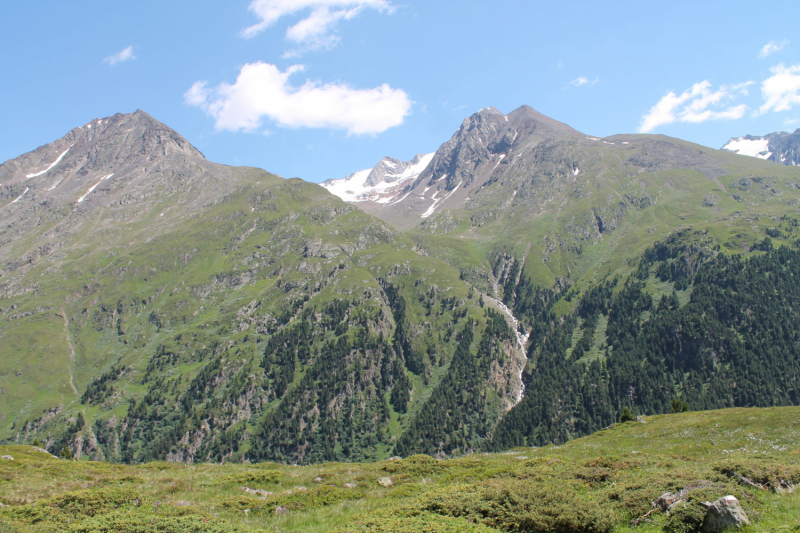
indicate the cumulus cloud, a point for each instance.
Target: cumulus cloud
{"x":316,"y":30}
{"x":697,"y":104}
{"x":263,"y":91}
{"x":126,"y":54}
{"x":782,"y":89}
{"x":772,"y":47}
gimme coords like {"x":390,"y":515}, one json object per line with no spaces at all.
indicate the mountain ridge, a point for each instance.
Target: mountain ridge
{"x":780,"y":147}
{"x":189,"y":311}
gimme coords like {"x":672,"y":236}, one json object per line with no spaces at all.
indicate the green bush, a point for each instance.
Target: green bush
{"x":685,"y":518}
{"x":416,"y":465}
{"x":295,"y":501}
{"x":73,"y":505}
{"x":421,"y":523}
{"x":523,"y":505}
{"x":258,"y":477}
{"x":164,"y":519}
{"x":626,"y":416}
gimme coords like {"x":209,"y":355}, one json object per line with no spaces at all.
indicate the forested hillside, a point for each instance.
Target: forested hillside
{"x":690,"y":323}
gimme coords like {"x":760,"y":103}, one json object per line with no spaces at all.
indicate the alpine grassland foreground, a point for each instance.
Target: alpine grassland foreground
{"x":599,"y":483}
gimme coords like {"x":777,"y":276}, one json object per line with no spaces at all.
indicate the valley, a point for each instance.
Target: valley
{"x":511,"y":289}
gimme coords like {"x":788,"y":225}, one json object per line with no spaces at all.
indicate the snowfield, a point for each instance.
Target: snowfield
{"x":354,"y":188}
{"x":753,"y":147}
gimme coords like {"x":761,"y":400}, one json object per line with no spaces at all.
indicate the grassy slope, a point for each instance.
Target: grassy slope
{"x":181,"y":270}
{"x":550,"y":228}
{"x":604,"y":479}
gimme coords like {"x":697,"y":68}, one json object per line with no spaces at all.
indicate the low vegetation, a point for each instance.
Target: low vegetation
{"x":597,"y":484}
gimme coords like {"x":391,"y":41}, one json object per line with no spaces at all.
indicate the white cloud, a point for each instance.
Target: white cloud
{"x":582,"y":80}
{"x":126,"y":54}
{"x":772,"y":47}
{"x":316,"y":31}
{"x":262,"y":90}
{"x":782,"y":89}
{"x":697,"y":104}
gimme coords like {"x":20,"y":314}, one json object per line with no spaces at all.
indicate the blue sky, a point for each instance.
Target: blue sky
{"x":321,"y":88}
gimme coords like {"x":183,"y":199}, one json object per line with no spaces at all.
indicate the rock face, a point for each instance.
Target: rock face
{"x":724,"y":513}
{"x":117,"y":168}
{"x":381,"y":184}
{"x":781,"y":147}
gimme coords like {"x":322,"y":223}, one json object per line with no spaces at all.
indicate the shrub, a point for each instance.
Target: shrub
{"x":685,"y":518}
{"x":679,"y":406}
{"x":523,"y":505}
{"x":165,"y":519}
{"x":420,"y":523}
{"x":626,"y":416}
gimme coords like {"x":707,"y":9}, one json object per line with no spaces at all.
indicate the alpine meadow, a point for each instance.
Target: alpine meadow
{"x":528,"y":329}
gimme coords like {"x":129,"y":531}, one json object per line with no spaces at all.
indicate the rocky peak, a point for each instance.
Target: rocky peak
{"x":780,"y":147}
{"x":126,"y":162}
{"x":387,"y":170}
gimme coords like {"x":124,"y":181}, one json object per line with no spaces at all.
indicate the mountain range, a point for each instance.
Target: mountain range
{"x":514,"y":287}
{"x":781,"y":147}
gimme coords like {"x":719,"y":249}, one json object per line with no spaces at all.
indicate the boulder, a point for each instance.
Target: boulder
{"x":385,"y":482}
{"x":724,"y":513}
{"x":261,"y":492}
{"x":668,"y":500}
{"x":350,"y":485}
{"x":6,"y":457}
{"x":280,"y":510}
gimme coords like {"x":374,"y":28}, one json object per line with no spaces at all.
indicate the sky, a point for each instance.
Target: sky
{"x":318,"y":89}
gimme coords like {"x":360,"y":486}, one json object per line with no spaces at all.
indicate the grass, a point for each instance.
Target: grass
{"x":593,"y":484}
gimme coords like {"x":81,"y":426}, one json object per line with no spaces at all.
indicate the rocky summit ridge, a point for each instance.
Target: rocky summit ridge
{"x":780,"y":147}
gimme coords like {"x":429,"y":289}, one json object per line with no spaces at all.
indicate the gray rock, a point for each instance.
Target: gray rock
{"x":281,"y":510}
{"x":6,"y":457}
{"x":385,"y":482}
{"x":724,"y":513}
{"x":350,"y":485}
{"x":261,"y":492}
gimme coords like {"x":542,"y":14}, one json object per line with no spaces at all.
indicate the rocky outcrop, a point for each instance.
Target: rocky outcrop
{"x":724,"y":513}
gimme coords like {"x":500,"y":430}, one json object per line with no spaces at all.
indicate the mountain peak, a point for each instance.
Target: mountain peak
{"x":780,"y":147}
{"x":380,"y":184}
{"x":542,"y":123}
{"x":125,"y":161}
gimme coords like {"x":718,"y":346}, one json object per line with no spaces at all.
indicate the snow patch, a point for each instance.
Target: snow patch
{"x":432,"y":209}
{"x":21,"y":195}
{"x":353,"y":188}
{"x":498,"y":162}
{"x":54,"y":163}
{"x":93,"y":187}
{"x":753,"y":147}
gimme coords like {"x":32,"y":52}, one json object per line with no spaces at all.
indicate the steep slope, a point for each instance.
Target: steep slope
{"x":568,"y":231}
{"x":480,"y":150}
{"x":381,"y":184}
{"x":157,"y":305}
{"x":781,"y":147}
